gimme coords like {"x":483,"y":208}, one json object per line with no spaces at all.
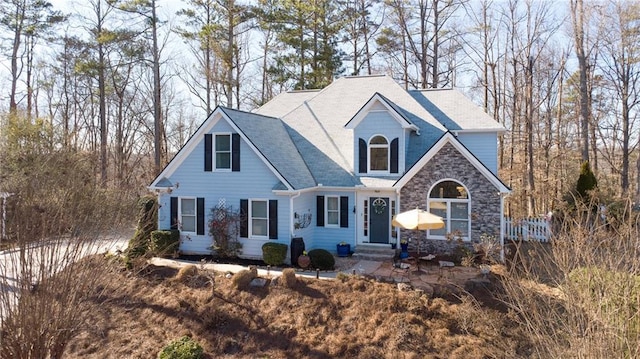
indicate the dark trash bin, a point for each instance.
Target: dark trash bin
{"x":297,"y":247}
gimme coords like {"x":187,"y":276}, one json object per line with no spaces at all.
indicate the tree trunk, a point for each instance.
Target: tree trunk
{"x":577,"y":17}
{"x":102,"y":99}
{"x":157,"y":106}
{"x":436,"y":45}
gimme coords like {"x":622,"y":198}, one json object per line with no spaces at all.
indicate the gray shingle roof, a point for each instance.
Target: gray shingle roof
{"x":314,"y":121}
{"x":454,"y":110}
{"x":270,"y":137}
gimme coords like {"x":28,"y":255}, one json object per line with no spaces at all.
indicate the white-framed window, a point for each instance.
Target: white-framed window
{"x":222,"y":157}
{"x":187,"y":212}
{"x":378,"y":154}
{"x":332,"y":207}
{"x":449,"y":199}
{"x":259,"y":218}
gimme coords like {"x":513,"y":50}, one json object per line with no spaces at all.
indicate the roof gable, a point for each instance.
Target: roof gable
{"x":433,"y":151}
{"x":378,"y":99}
{"x":258,"y":132}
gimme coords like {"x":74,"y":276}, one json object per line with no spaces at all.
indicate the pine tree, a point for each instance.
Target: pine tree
{"x":586,"y":181}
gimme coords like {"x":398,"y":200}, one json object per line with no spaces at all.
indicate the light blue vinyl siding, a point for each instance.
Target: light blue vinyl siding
{"x":324,"y":237}
{"x":484,"y":146}
{"x":254,"y":181}
{"x":379,"y":123}
{"x":328,"y":237}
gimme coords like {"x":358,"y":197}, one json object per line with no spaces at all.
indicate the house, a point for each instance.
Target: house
{"x":334,"y":165}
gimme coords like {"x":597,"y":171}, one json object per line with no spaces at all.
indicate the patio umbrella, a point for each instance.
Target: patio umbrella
{"x":420,"y":220}
{"x":417,"y":219}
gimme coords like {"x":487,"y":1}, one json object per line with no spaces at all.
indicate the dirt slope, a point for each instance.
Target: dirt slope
{"x":135,"y":315}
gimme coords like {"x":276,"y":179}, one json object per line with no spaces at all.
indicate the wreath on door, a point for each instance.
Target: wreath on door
{"x":379,"y":205}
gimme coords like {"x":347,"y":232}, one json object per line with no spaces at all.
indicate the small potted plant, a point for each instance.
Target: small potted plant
{"x":303,"y":260}
{"x":404,"y":248}
{"x":343,"y":249}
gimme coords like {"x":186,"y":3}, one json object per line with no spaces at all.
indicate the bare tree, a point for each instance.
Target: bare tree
{"x":620,"y":67}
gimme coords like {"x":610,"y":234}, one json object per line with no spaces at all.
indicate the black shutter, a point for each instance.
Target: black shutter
{"x":200,"y":219}
{"x":344,"y":211}
{"x":362,"y":156}
{"x":244,"y":218}
{"x":174,"y":212}
{"x":273,"y":219}
{"x":208,"y":152}
{"x":394,"y":155}
{"x":320,"y":211}
{"x":235,"y":152}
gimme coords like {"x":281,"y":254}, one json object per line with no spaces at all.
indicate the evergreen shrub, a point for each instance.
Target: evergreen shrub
{"x":274,"y":253}
{"x":322,"y":259}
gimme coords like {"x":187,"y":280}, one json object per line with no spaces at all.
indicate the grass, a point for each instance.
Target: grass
{"x":136,"y":314}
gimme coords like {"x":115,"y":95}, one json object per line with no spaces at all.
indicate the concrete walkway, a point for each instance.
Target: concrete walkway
{"x":423,"y":278}
{"x":361,"y":267}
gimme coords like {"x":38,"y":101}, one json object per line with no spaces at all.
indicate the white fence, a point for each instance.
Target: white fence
{"x":528,"y":229}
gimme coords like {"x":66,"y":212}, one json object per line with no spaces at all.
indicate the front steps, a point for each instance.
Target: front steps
{"x":381,"y":253}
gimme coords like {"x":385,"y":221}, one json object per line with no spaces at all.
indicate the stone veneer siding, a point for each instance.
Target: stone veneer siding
{"x":449,"y":163}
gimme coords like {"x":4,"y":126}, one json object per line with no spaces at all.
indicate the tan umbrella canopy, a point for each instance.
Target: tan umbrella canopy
{"x":417,"y":219}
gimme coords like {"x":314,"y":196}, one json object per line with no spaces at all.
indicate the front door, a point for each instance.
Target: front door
{"x":379,"y":220}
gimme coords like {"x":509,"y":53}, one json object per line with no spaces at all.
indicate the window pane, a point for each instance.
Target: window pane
{"x":379,"y":159}
{"x":223,"y":160}
{"x":378,"y":140}
{"x":460,"y":226}
{"x":332,"y":218}
{"x":188,"y":206}
{"x":189,"y":223}
{"x":460,"y":210}
{"x":259,"y":209}
{"x":448,"y":189}
{"x":223,"y":143}
{"x":439,"y":232}
{"x":259,"y":227}
{"x":439,"y":209}
{"x":332,"y":203}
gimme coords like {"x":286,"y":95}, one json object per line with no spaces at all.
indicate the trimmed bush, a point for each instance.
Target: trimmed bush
{"x":288,"y":278}
{"x":322,"y":259}
{"x":165,"y":243}
{"x":183,"y":348}
{"x":242,"y":279}
{"x":274,"y":253}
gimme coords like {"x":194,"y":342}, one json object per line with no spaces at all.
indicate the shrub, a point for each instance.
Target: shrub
{"x":460,"y":252}
{"x":224,"y":226}
{"x":147,"y":223}
{"x":165,"y":243}
{"x":242,"y":279}
{"x":288,"y":278}
{"x":586,"y":181}
{"x":183,"y":348}
{"x":321,"y":259}
{"x":274,"y":253}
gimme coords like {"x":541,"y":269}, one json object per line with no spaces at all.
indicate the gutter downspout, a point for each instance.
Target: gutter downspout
{"x":502,"y":196}
{"x":397,"y":211}
{"x":355,"y":227}
{"x":291,"y":227}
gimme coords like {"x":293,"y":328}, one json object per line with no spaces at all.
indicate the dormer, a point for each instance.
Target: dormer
{"x":380,"y":131}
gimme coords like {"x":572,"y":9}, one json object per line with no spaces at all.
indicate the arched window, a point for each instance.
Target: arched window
{"x":378,"y":154}
{"x":450,"y":200}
